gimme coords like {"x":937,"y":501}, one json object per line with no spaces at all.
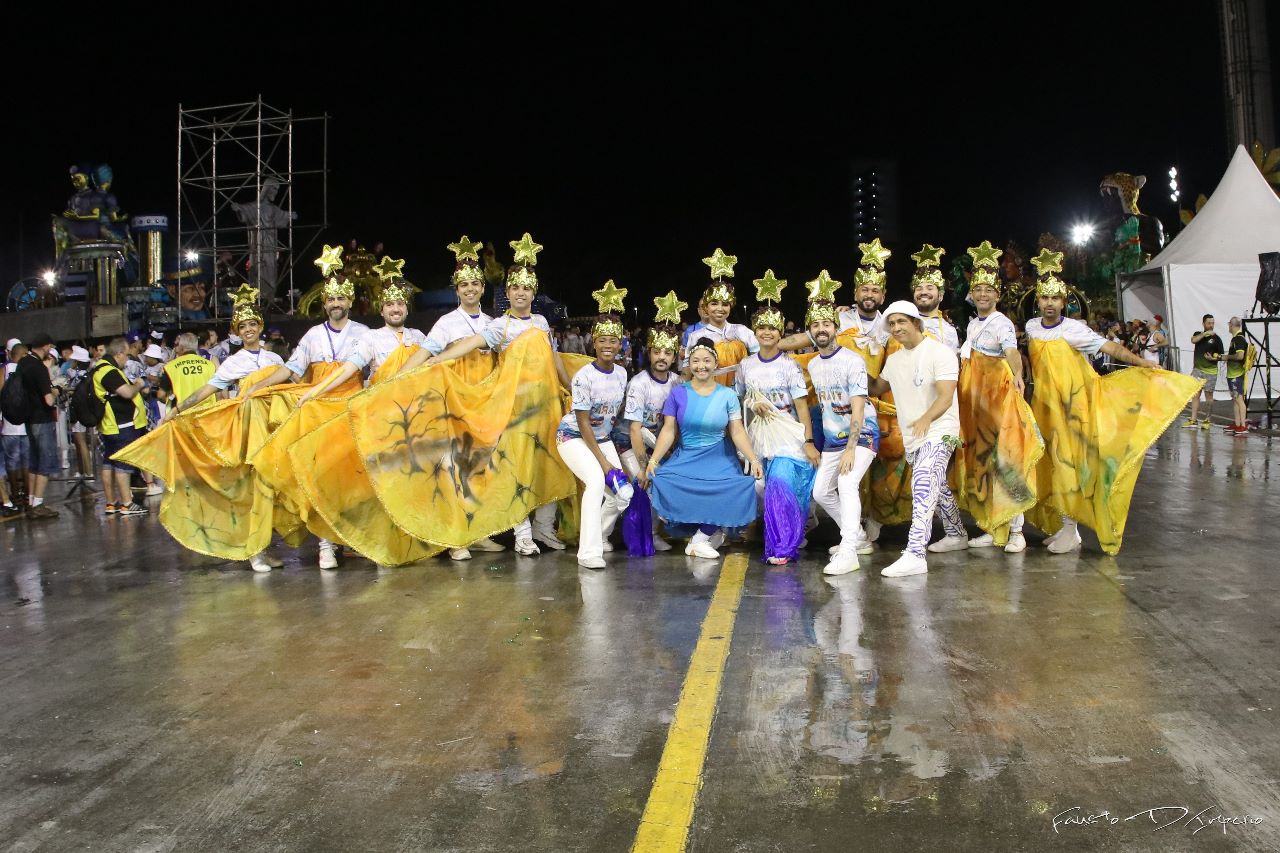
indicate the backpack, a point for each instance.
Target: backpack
{"x":15,"y":404}
{"x":87,"y":408}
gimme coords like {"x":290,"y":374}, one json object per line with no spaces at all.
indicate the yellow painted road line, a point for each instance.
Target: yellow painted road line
{"x":664,"y":826}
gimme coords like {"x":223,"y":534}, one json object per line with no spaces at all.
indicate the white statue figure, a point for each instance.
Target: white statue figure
{"x":263,"y":219}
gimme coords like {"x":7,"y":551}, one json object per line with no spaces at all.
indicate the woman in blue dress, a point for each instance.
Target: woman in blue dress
{"x":702,"y":484}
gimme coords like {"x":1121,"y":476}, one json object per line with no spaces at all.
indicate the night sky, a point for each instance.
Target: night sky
{"x":632,"y":146}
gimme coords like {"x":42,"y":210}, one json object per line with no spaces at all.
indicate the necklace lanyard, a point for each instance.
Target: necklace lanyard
{"x":333,"y":351}
{"x":475,"y":329}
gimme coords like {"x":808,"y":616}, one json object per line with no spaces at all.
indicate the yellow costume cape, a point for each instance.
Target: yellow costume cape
{"x":451,"y":462}
{"x":215,"y":503}
{"x":993,"y":476}
{"x":328,"y":470}
{"x":294,"y":509}
{"x":1096,"y":431}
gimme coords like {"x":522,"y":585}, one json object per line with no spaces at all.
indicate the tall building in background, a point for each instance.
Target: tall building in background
{"x":1246,"y":72}
{"x":875,"y":201}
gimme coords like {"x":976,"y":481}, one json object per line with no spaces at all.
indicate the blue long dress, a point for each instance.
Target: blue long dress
{"x":702,"y":482}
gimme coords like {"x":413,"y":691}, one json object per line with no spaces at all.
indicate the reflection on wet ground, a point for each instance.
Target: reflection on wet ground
{"x":157,"y":700}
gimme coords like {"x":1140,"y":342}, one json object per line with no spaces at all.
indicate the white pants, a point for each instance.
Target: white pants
{"x":599,"y":504}
{"x":544,"y":516}
{"x":838,"y":495}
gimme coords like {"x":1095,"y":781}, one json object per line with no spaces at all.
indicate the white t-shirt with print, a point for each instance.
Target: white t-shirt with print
{"x":599,"y":394}
{"x":912,"y":374}
{"x":991,"y":335}
{"x":454,"y":326}
{"x":322,"y":344}
{"x":502,"y":330}
{"x":376,"y":346}
{"x":1074,"y":332}
{"x":240,"y":364}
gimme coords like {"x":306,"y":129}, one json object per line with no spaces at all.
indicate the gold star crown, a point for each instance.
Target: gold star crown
{"x":1051,"y":285}
{"x":664,"y":337}
{"x":767,"y":316}
{"x":336,"y":285}
{"x":607,"y":326}
{"x":465,"y":250}
{"x":867,"y":275}
{"x":874,"y":254}
{"x":609,"y":298}
{"x":244,"y":303}
{"x":466,"y":272}
{"x":821,"y":309}
{"x":923,"y":277}
{"x":395,"y":293}
{"x":769,"y":288}
{"x":985,"y":255}
{"x":823,"y":287}
{"x":721,"y":264}
{"x":526,"y":250}
{"x":719,"y":291}
{"x":524,"y":276}
{"x":330,"y":259}
{"x":984,"y":276}
{"x":669,"y":308}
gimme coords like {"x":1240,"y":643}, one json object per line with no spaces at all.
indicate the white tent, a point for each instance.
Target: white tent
{"x":1211,"y":267}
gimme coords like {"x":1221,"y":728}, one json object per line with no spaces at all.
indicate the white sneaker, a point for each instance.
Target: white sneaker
{"x":1049,"y":540}
{"x":833,"y":550}
{"x":259,"y":564}
{"x":591,"y":562}
{"x":526,"y":546}
{"x":865,"y":547}
{"x":660,"y":544}
{"x":155,"y":489}
{"x":273,"y":562}
{"x":1068,"y":541}
{"x":873,"y":529}
{"x":547,"y":537}
{"x":986,"y":540}
{"x":1017,"y":544}
{"x":459,"y":554}
{"x":949,"y":543}
{"x":907,"y":564}
{"x":328,"y":559}
{"x":701,"y":549}
{"x":716,"y":539}
{"x":608,"y":546}
{"x":841,"y":566}
{"x":486,"y":544}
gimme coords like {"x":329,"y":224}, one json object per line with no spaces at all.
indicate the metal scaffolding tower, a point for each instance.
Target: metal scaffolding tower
{"x":253,"y":194}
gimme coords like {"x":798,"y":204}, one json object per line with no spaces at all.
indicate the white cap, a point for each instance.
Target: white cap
{"x":902,"y":306}
{"x":13,"y":342}
{"x":153,"y":351}
{"x":79,"y":353}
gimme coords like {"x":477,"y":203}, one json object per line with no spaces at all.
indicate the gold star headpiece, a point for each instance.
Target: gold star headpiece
{"x":823,"y":288}
{"x":395,"y":293}
{"x":769,"y":288}
{"x":874,"y":254}
{"x":524,"y":276}
{"x":394,"y":288}
{"x":1047,"y":263}
{"x":721,"y":264}
{"x":821,"y":309}
{"x":869,"y":276}
{"x":467,"y":271}
{"x":927,"y":261}
{"x":608,"y":299}
{"x":526,"y":250}
{"x":244,"y":303}
{"x":985,"y":255}
{"x":984,"y":276}
{"x":330,"y":259}
{"x":665,"y":334}
{"x":336,"y":285}
{"x":389,"y":268}
{"x":768,"y":317}
{"x":465,"y":250}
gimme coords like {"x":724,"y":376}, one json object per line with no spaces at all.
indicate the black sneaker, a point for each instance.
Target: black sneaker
{"x":7,"y":512}
{"x":41,"y":511}
{"x":134,"y":509}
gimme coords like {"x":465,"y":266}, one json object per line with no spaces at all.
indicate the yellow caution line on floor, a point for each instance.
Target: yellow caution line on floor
{"x":664,"y":827}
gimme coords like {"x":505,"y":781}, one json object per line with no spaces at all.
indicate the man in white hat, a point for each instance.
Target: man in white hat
{"x":79,"y":368}
{"x":922,"y":376}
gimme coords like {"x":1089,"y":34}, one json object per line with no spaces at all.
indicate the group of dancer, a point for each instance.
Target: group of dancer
{"x":400,"y":445}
